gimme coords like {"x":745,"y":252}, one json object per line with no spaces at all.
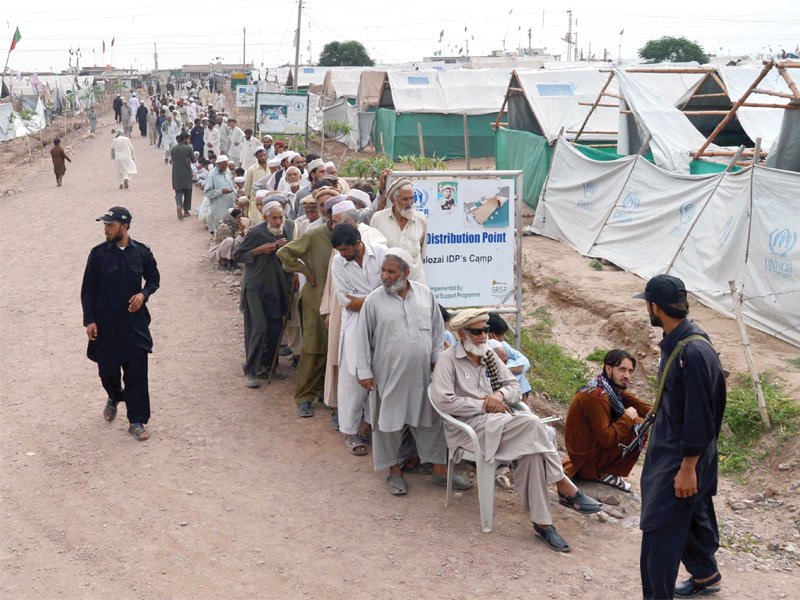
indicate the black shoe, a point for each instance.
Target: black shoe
{"x":110,"y":410}
{"x":284,"y":351}
{"x":550,"y":536}
{"x":690,"y":587}
{"x":580,"y":502}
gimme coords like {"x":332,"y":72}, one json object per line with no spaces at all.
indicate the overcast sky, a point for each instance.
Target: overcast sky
{"x":199,"y":31}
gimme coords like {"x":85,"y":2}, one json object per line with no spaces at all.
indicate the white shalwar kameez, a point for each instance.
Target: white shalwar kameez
{"x":351,"y":279}
{"x":122,"y":150}
{"x":399,"y":339}
{"x":235,"y":139}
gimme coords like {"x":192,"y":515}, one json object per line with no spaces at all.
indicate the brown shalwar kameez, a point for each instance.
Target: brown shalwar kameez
{"x":593,"y":439}
{"x":59,"y":165}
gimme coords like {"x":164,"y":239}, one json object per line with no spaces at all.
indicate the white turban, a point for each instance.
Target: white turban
{"x":261,"y":194}
{"x":343,"y":206}
{"x":401,"y":254}
{"x":359,"y":195}
{"x":269,"y":206}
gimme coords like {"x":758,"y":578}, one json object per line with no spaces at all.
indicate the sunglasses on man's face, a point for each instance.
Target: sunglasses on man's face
{"x":477,"y":332}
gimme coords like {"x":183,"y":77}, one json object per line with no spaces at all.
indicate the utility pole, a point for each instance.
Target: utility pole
{"x":530,"y":33}
{"x":244,"y":48}
{"x":297,"y":45}
{"x":568,"y":37}
{"x":155,"y":56}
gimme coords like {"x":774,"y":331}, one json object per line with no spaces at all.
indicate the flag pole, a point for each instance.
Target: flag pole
{"x":3,"y":76}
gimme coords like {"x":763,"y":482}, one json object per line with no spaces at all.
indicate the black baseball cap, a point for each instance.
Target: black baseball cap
{"x":118,"y":214}
{"x":664,"y":289}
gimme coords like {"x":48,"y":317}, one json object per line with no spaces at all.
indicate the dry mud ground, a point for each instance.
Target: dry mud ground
{"x":234,"y":496}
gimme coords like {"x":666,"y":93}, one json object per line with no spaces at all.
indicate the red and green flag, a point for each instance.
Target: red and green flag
{"x":17,"y":37}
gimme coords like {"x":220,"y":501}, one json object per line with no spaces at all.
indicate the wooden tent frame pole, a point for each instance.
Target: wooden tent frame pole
{"x":732,"y":113}
{"x":594,"y":107}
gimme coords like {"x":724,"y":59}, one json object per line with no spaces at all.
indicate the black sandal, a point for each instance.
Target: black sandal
{"x":110,"y":411}
{"x":580,"y":502}
{"x":138,"y":431}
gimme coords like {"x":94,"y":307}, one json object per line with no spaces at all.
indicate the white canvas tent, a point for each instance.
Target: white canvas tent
{"x":706,"y":229}
{"x":461,"y":92}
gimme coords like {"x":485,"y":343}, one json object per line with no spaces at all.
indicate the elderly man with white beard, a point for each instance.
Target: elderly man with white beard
{"x":265,"y":291}
{"x":403,"y":226}
{"x":470,"y":384}
{"x":400,"y":336}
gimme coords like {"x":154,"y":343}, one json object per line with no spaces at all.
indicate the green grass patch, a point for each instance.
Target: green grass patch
{"x":597,"y":355}
{"x":739,"y":448}
{"x":795,"y":362}
{"x":596,"y":264}
{"x":553,"y":371}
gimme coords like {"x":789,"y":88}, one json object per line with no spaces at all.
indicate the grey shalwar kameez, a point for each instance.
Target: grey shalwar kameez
{"x":398,"y":341}
{"x":459,"y":388}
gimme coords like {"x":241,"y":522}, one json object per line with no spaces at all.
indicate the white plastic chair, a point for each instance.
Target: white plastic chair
{"x":485,"y":471}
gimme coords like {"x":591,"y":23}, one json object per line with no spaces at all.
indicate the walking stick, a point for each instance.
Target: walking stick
{"x":280,"y":337}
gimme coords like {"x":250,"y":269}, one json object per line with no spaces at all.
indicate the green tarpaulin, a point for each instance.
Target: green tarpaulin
{"x":443,"y":134}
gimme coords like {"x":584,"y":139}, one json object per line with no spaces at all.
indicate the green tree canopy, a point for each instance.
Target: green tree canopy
{"x":672,"y":49}
{"x":345,"y":54}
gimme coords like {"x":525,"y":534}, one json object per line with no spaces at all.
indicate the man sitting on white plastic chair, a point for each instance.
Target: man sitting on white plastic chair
{"x":470,"y":384}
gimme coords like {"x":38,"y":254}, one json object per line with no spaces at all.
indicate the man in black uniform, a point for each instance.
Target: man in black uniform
{"x":679,"y":478}
{"x":116,"y":317}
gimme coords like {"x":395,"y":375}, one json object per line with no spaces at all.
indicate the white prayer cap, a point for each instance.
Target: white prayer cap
{"x":266,"y":136}
{"x":292,"y":169}
{"x":274,"y":162}
{"x":401,"y":254}
{"x":269,"y":206}
{"x":290,"y":155}
{"x":242,"y":199}
{"x":261,"y":194}
{"x":467,"y":317}
{"x":224,"y":119}
{"x":222,"y":158}
{"x":330,"y":164}
{"x":359,"y":195}
{"x":259,"y":149}
{"x":315,"y":164}
{"x":343,"y":206}
{"x":494,"y":344}
{"x":238,"y":180}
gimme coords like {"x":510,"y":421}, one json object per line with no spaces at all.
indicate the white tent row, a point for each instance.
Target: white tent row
{"x":706,"y":229}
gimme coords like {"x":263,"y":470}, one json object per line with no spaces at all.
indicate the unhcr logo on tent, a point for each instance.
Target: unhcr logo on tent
{"x":781,"y":244}
{"x":726,"y":233}
{"x":630,"y":202}
{"x":589,"y":190}
{"x":421,"y":201}
{"x":685,"y":214}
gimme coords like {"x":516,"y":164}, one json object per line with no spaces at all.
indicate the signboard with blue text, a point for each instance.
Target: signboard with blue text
{"x":471,"y":249}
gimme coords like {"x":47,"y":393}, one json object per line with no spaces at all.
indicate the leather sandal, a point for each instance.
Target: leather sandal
{"x":397,"y":485}
{"x":138,"y":431}
{"x":690,"y":587}
{"x":550,"y":536}
{"x":580,"y":502}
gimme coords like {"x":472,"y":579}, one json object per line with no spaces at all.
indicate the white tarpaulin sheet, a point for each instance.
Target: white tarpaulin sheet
{"x":697,"y":227}
{"x":461,"y":92}
{"x":673,"y":135}
{"x":342,"y":112}
{"x":555,"y":97}
{"x":757,"y":122}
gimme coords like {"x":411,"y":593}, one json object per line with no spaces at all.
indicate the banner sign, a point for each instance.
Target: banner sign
{"x":281,"y":113}
{"x":471,"y":248}
{"x":246,"y":96}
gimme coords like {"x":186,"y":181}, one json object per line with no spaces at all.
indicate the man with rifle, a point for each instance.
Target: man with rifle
{"x":679,"y":478}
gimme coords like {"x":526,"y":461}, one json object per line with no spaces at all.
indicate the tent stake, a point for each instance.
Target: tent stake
{"x":748,"y":356}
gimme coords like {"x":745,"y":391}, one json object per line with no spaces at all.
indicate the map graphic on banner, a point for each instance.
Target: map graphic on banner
{"x":246,"y":96}
{"x":282,"y":113}
{"x":469,"y":260}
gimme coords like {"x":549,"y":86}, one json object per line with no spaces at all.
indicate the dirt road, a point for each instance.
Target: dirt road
{"x":233,"y":496}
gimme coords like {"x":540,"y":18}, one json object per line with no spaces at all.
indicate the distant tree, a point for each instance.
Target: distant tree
{"x":345,"y":54}
{"x":673,"y":49}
